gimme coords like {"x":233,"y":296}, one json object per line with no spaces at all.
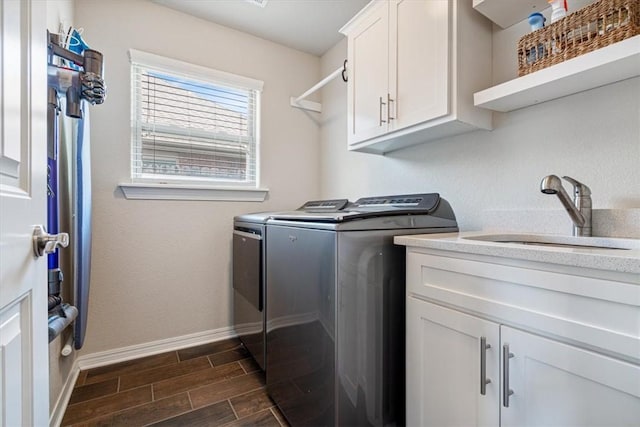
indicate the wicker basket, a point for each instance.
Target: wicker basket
{"x":598,"y":25}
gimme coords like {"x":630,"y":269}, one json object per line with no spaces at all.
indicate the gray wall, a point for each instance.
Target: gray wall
{"x":593,"y":136}
{"x":161,"y":269}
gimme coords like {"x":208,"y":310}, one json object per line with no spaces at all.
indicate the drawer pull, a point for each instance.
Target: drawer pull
{"x":483,"y":365}
{"x":380,"y":112}
{"x":506,"y":391}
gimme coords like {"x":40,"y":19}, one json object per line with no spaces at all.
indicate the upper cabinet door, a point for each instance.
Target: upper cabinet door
{"x":368,"y":53}
{"x":419,"y":61}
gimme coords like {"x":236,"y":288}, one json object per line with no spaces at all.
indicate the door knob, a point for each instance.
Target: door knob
{"x":45,"y":243}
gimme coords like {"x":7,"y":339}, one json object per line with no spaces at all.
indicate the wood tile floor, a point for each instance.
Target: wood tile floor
{"x":215,"y":384}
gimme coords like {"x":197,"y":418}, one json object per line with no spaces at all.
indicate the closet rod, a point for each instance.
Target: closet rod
{"x":299,"y":102}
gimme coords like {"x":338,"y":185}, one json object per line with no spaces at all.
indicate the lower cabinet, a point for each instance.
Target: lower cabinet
{"x":559,"y":384}
{"x":444,"y":373}
{"x":464,"y":370}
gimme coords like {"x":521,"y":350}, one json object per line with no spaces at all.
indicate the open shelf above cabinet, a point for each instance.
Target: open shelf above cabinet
{"x":607,"y":65}
{"x":506,"y":13}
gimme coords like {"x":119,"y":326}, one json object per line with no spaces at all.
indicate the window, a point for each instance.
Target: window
{"x":193,"y":125}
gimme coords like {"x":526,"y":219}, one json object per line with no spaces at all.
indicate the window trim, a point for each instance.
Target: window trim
{"x":145,"y":188}
{"x":173,"y":191}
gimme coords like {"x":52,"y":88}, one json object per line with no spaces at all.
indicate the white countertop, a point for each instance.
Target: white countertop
{"x":620,"y":260}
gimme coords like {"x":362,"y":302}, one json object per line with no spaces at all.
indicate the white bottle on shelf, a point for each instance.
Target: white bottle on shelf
{"x":558,"y":9}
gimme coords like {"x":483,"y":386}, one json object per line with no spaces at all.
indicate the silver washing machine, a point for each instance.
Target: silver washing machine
{"x":335,"y":314}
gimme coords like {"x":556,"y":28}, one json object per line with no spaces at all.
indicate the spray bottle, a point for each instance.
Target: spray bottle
{"x":558,"y":9}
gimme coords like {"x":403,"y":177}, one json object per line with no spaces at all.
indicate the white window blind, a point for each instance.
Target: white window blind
{"x":193,"y":124}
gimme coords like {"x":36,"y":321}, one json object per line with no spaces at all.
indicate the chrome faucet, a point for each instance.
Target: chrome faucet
{"x":579,"y":209}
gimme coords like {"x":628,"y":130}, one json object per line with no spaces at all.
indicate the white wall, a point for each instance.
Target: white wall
{"x":161,"y":269}
{"x":592,"y":136}
{"x":59,"y":12}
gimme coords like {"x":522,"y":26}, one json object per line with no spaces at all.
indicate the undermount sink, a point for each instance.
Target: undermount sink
{"x":558,"y":241}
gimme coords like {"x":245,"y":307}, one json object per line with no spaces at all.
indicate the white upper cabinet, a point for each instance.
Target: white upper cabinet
{"x":418,"y":58}
{"x":369,"y":88}
{"x":413,"y":68}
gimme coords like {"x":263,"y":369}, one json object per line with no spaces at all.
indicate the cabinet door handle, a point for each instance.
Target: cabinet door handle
{"x":389,"y":101}
{"x":506,"y":391}
{"x":380,"y":112}
{"x":483,"y":365}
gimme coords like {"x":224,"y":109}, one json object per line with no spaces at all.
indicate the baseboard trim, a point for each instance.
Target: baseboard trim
{"x":88,"y":361}
{"x":55,"y":418}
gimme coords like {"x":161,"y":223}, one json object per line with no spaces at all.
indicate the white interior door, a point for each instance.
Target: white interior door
{"x":24,"y":379}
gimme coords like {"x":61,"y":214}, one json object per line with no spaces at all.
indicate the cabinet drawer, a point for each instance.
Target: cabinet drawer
{"x":598,"y":313}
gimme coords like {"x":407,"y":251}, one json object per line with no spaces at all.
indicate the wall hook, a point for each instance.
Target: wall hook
{"x":344,"y":72}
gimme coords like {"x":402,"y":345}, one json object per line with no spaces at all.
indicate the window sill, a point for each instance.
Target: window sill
{"x":154,"y":191}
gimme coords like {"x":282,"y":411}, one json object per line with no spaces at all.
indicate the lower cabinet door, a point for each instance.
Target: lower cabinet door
{"x":449,"y":356}
{"x":556,"y":384}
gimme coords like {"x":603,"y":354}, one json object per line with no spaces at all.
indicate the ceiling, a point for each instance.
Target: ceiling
{"x":307,"y":25}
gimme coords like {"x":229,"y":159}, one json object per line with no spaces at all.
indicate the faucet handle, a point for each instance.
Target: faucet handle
{"x":579,"y":189}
